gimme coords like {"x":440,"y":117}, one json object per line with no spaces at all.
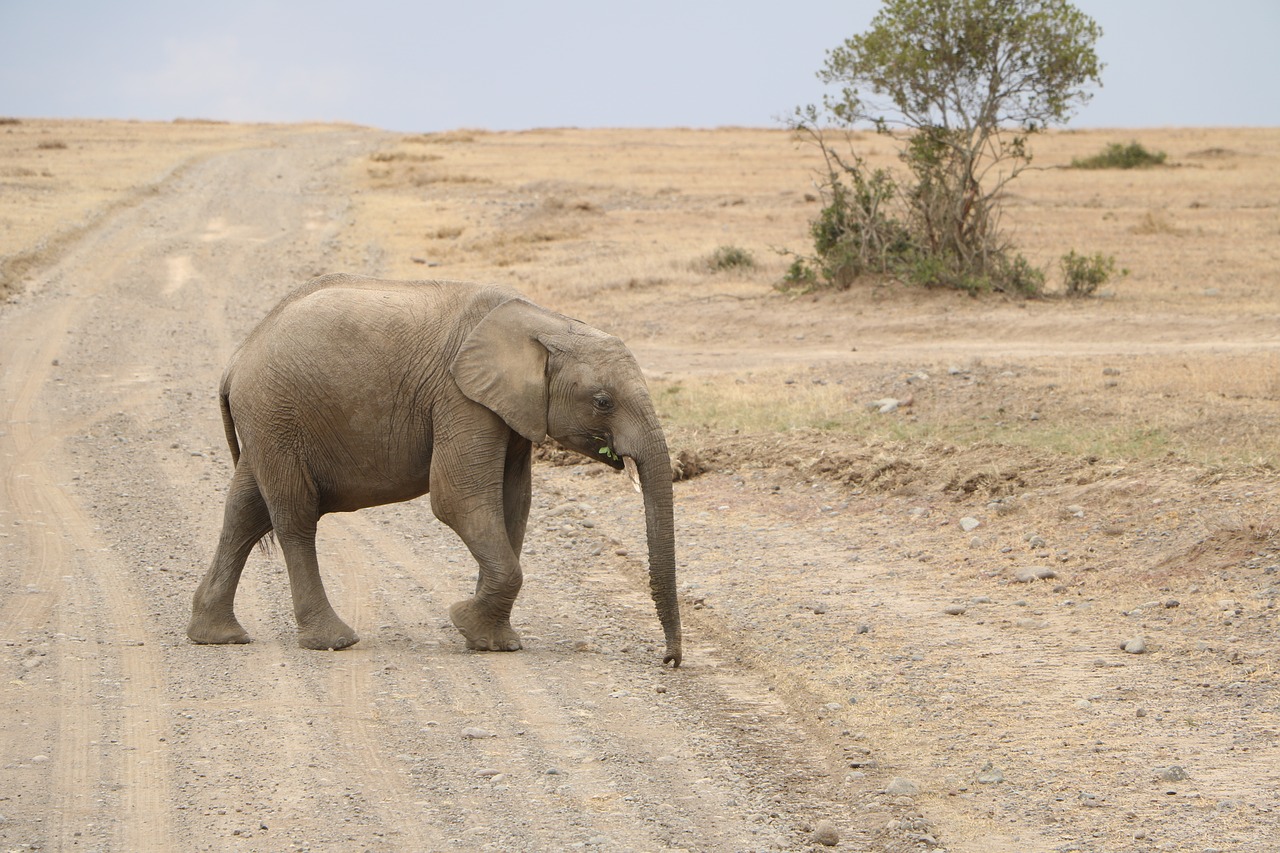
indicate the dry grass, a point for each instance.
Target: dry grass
{"x":617,"y":226}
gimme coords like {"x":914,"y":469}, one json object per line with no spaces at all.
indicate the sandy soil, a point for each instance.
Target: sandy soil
{"x":904,"y":630}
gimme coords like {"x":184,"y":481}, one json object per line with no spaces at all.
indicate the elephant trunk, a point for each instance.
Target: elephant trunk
{"x":654,"y":466}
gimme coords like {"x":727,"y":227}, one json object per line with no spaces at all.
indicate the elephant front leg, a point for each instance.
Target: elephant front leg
{"x":485,"y":629}
{"x":485,"y":618}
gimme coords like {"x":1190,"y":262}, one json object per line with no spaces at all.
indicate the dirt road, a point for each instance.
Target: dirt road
{"x":854,"y":662}
{"x":120,"y":735}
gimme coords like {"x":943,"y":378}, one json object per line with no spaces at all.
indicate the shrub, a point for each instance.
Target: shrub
{"x":1082,"y":275}
{"x":730,"y":258}
{"x":1117,"y":156}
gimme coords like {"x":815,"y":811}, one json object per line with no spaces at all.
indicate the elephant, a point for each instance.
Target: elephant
{"x":355,"y":392}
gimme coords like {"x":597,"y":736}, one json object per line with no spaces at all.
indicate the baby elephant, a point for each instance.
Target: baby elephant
{"x":355,"y":392}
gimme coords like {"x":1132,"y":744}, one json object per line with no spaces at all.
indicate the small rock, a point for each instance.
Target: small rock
{"x":969,"y":524}
{"x":901,"y":787}
{"x":954,"y":609}
{"x":1135,"y":646}
{"x":864,"y":628}
{"x":826,"y":834}
{"x":990,"y":775}
{"x":476,"y":734}
{"x":1027,"y":574}
{"x":488,"y":772}
{"x":1173,"y":773}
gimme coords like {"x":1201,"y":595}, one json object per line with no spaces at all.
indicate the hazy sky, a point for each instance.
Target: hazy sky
{"x":506,"y":64}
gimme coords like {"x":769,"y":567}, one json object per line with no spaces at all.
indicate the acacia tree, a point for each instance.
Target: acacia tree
{"x":970,"y":81}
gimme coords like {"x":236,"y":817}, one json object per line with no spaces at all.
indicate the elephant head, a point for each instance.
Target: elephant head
{"x":548,"y":375}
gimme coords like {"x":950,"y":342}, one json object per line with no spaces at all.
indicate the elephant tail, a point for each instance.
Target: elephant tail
{"x":228,"y":423}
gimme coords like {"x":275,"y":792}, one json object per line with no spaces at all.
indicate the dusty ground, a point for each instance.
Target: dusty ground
{"x":854,"y":656}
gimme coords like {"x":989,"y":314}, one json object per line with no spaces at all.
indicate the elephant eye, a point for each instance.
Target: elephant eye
{"x":602,"y":402}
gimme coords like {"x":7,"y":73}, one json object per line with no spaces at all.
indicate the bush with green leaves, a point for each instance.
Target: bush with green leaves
{"x":1117,"y":156}
{"x":970,"y":81}
{"x":1082,"y":275}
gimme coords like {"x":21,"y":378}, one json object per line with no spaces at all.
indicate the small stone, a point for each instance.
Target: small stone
{"x":1027,"y":574}
{"x":488,"y":772}
{"x":969,"y":524}
{"x":826,"y":834}
{"x":1173,"y":773}
{"x":1135,"y":646}
{"x":990,"y":775}
{"x":900,"y":786}
{"x":864,"y":628}
{"x":476,"y":734}
{"x":954,"y":609}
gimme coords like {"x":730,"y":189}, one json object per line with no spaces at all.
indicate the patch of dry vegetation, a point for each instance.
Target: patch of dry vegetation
{"x":618,"y":228}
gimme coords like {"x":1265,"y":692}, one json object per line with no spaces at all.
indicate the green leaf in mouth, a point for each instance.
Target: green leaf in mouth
{"x":605,"y":450}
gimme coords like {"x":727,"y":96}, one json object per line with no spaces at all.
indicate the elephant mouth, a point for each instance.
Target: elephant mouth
{"x":604,"y":451}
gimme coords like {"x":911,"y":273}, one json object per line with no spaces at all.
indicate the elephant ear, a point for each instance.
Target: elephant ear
{"x":503,"y":366}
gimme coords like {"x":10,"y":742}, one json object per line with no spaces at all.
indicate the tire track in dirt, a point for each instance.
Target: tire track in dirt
{"x":615,"y":745}
{"x":78,"y":356}
{"x":32,"y":487}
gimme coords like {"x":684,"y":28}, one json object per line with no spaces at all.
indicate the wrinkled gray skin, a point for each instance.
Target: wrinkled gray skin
{"x":355,"y":392}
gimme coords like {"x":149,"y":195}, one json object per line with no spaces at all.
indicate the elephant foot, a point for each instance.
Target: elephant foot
{"x":216,"y":631}
{"x":331,"y":635}
{"x":483,"y":633}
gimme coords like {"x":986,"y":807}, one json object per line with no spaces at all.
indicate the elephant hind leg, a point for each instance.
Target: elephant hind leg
{"x":295,"y":512}
{"x":245,"y":521}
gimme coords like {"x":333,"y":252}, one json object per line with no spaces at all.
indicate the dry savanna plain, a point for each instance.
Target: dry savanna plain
{"x":957,"y":573}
